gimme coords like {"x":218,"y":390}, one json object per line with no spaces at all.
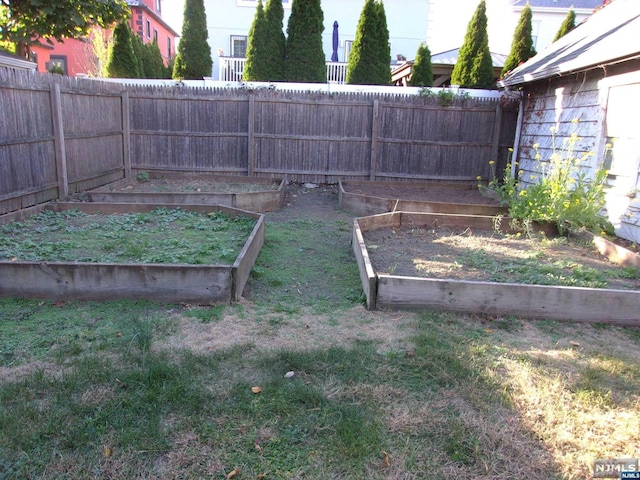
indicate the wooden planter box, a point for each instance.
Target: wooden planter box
{"x":364,"y":204}
{"x":197,"y":284}
{"x":529,"y":301}
{"x":271,"y":198}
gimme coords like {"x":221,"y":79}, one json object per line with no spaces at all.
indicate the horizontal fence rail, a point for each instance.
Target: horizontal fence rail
{"x":60,"y":135}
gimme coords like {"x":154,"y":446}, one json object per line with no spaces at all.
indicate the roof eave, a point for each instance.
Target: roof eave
{"x":519,"y":80}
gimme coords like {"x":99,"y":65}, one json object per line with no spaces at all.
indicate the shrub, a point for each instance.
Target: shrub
{"x":562,"y":192}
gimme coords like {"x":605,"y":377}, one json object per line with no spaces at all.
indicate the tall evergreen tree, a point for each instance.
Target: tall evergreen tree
{"x":194,"y":53}
{"x":474,"y":68}
{"x":276,"y":41}
{"x":123,"y":62}
{"x":360,"y":66}
{"x":152,"y":61}
{"x":383,"y":65}
{"x":568,"y":24}
{"x":522,"y":44}
{"x":256,"y":68}
{"x":305,"y":60}
{"x":370,"y":57}
{"x":138,"y":50}
{"x":422,"y":71}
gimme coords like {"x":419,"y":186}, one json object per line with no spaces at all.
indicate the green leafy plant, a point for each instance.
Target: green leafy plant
{"x":561,"y":192}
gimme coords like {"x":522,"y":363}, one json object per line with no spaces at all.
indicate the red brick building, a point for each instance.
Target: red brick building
{"x":77,"y":56}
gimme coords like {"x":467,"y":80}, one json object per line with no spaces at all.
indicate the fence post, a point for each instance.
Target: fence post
{"x":375,"y":126}
{"x":497,"y":129}
{"x":58,"y":140}
{"x":251,"y":147}
{"x":126,"y":134}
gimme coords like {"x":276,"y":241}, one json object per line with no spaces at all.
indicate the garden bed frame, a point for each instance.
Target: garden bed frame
{"x":172,"y":283}
{"x":530,"y":301}
{"x":363,"y":204}
{"x":262,"y":201}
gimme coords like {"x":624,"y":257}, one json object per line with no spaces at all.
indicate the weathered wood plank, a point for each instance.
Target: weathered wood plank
{"x":528,"y":301}
{"x":199,"y":284}
{"x":247,"y":258}
{"x":367,"y":275}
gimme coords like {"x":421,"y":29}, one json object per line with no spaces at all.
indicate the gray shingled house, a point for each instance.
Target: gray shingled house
{"x":588,"y":83}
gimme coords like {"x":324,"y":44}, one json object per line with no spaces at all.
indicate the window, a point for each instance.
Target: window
{"x":155,"y":35}
{"x":159,"y":6}
{"x":238,"y":46}
{"x":169,"y":54}
{"x":347,"y":49}
{"x":57,"y":62}
{"x":535,"y":28}
{"x":148,"y":29}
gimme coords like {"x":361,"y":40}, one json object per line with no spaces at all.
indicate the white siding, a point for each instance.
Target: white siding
{"x":406,"y":20}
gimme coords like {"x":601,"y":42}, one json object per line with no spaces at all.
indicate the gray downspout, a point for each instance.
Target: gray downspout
{"x":516,"y":142}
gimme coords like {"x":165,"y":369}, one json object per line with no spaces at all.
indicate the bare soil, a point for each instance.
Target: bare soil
{"x":474,"y":254}
{"x":424,"y":193}
{"x":189,"y":185}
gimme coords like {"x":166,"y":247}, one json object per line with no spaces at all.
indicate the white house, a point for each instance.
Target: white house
{"x":448,"y":20}
{"x":442,"y":23}
{"x":229,"y":22}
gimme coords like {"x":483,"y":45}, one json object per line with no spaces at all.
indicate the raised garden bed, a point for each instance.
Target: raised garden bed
{"x":174,"y":283}
{"x":370,"y":198}
{"x":458,"y":292}
{"x":251,"y":194}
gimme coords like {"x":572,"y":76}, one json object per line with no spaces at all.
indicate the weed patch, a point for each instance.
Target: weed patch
{"x":161,"y":236}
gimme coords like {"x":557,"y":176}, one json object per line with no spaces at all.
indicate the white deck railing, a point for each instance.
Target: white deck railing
{"x":230,"y":69}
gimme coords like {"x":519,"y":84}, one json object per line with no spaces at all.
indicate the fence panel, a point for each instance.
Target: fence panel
{"x":61,"y":135}
{"x":189,"y":132}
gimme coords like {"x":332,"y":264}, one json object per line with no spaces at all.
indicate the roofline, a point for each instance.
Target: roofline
{"x":578,"y":11}
{"x":157,"y":17}
{"x":530,"y":78}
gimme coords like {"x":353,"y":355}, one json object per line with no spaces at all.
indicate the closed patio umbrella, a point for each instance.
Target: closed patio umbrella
{"x":334,"y":55}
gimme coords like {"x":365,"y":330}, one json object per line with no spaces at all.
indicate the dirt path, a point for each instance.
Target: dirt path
{"x":319,"y":203}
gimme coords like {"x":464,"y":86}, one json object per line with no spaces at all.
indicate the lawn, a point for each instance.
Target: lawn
{"x":142,"y":390}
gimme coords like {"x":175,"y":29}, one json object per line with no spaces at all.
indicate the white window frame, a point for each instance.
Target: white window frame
{"x":348,"y":45}
{"x":233,"y":39}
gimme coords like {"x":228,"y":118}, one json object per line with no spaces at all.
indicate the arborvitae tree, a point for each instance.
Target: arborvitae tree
{"x":152,"y":61}
{"x":422,"y":71}
{"x":568,"y":24}
{"x":305,"y":60}
{"x":474,"y":68}
{"x":256,"y":68}
{"x":522,"y":44}
{"x":370,"y":55}
{"x":194,"y":53}
{"x":275,"y":41}
{"x":122,"y":61}
{"x":138,"y":50}
{"x":383,"y":70}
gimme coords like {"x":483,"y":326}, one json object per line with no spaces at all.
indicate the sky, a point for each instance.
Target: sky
{"x":172,"y":13}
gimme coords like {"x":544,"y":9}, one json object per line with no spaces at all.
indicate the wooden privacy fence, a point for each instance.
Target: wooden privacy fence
{"x":61,"y":135}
